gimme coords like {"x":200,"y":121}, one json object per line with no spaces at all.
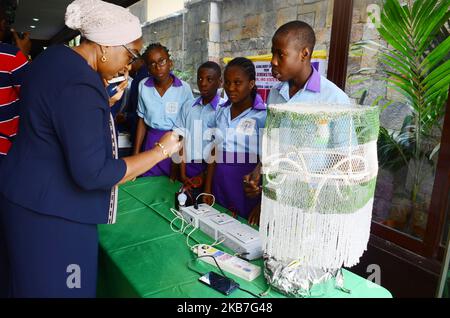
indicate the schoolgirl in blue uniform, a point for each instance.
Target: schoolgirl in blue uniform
{"x":160,"y":99}
{"x":237,"y":136}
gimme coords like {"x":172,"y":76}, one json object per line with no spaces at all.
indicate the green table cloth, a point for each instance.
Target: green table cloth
{"x":140,"y":256}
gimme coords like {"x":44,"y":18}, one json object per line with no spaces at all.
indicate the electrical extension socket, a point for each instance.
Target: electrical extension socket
{"x":228,"y":263}
{"x":192,"y":215}
{"x":212,"y":225}
{"x":243,"y":240}
{"x":239,"y":237}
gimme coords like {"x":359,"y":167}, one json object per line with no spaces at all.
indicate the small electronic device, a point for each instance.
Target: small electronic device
{"x":118,"y":79}
{"x":220,"y":283}
{"x":113,"y":84}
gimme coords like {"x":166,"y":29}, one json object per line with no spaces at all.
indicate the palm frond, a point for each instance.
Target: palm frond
{"x":415,"y":63}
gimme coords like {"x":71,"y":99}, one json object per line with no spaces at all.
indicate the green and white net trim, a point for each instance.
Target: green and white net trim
{"x":320,"y":166}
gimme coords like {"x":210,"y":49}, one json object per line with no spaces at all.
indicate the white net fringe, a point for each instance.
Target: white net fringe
{"x":320,"y":166}
{"x":313,"y":239}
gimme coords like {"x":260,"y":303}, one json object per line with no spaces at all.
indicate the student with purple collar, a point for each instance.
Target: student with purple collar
{"x":193,"y":121}
{"x":237,"y":137}
{"x":292,"y":48}
{"x":160,"y":98}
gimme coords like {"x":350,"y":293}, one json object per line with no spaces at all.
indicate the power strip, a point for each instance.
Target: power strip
{"x":192,"y":215}
{"x":216,"y":223}
{"x":239,"y":237}
{"x":242,"y":239}
{"x":228,"y":263}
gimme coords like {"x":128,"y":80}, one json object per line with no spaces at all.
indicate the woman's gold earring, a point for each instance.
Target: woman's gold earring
{"x":103,"y":58}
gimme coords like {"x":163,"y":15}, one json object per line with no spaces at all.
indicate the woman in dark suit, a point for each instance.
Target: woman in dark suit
{"x":60,"y":178}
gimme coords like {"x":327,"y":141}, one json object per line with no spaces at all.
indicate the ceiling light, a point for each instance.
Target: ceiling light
{"x":32,"y":26}
{"x":35,"y":19}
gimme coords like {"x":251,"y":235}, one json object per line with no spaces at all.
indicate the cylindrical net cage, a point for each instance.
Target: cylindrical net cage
{"x":320,"y":166}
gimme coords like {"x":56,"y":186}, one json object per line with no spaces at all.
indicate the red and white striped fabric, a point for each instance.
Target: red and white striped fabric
{"x":13,"y":65}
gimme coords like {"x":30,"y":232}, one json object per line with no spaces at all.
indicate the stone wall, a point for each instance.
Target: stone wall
{"x":212,"y":30}
{"x":196,"y":36}
{"x":169,"y":32}
{"x":248,"y":25}
{"x":140,"y":10}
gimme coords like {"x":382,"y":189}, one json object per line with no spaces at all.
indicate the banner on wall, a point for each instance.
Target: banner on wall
{"x":264,"y":79}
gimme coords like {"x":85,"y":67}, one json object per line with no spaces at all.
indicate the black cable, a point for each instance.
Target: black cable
{"x":194,"y":270}
{"x":217,"y":264}
{"x":241,"y":255}
{"x":249,"y":292}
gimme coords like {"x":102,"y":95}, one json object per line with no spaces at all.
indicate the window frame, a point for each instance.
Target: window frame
{"x":431,"y":245}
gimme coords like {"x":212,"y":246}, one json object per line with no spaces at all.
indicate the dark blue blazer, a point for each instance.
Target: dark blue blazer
{"x":61,"y":162}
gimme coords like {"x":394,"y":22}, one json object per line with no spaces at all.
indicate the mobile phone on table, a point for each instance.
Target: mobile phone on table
{"x":220,"y":283}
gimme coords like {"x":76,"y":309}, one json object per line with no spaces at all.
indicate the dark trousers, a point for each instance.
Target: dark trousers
{"x":49,"y":256}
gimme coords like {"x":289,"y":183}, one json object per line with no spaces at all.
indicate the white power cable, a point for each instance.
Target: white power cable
{"x":207,"y":194}
{"x":183,"y":228}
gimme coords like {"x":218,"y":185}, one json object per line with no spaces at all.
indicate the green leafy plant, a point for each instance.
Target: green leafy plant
{"x":415,"y":62}
{"x":183,"y":75}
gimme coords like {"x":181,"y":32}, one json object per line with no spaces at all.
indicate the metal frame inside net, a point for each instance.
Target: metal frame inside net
{"x":320,"y":166}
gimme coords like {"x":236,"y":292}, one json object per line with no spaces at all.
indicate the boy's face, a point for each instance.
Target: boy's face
{"x":159,"y":64}
{"x":208,"y":82}
{"x":288,"y":57}
{"x":237,"y":84}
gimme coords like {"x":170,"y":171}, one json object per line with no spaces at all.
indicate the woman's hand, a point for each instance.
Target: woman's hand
{"x":171,"y":142}
{"x":142,"y":162}
{"x":120,"y":90}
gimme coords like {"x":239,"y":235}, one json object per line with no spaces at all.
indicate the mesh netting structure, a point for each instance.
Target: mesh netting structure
{"x":320,"y":166}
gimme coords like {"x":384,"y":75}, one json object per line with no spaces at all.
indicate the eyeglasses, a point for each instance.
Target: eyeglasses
{"x":134,"y":57}
{"x":161,"y":62}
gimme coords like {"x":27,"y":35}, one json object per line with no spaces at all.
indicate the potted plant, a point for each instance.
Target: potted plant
{"x":415,"y":63}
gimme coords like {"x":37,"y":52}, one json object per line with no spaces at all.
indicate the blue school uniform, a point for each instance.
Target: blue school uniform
{"x":238,"y":148}
{"x":192,"y":124}
{"x":160,"y":114}
{"x":317,"y":90}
